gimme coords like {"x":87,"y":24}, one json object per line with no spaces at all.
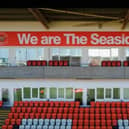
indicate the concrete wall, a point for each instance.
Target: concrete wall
{"x":65,"y":72}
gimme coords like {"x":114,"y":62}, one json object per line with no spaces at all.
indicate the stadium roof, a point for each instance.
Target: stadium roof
{"x":46,"y":15}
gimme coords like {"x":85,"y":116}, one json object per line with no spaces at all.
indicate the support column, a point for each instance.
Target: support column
{"x":122,"y":54}
{"x":84,"y":58}
{"x":12,"y":56}
{"x":47,"y":53}
{"x":0,"y":94}
{"x":84,"y":96}
{"x":11,"y":96}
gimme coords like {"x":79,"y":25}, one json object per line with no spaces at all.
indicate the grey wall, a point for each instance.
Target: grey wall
{"x":64,"y":72}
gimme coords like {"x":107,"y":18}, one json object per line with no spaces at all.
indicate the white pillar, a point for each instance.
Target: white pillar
{"x":122,"y":53}
{"x":12,"y":56}
{"x":84,"y":58}
{"x":0,"y":94}
{"x":47,"y":53}
{"x":11,"y":96}
{"x":84,"y":96}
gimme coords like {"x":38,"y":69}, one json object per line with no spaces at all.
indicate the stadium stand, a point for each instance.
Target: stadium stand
{"x":67,"y":115}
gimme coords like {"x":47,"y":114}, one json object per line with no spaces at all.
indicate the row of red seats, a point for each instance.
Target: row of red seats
{"x":94,"y":122}
{"x":47,"y":63}
{"x":45,"y":110}
{"x":68,"y":116}
{"x":13,"y":121}
{"x":1,"y":103}
{"x":91,"y":127}
{"x":68,"y":110}
{"x":109,"y":104}
{"x":7,"y":127}
{"x":114,"y":63}
{"x":46,"y":104}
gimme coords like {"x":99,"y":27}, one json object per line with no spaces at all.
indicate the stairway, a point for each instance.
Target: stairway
{"x":3,"y":115}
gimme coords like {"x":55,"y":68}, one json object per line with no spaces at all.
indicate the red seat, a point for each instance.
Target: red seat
{"x":74,"y":127}
{"x":55,"y":110}
{"x":67,"y":104}
{"x":36,"y":104}
{"x":86,"y":122}
{"x":41,"y":104}
{"x":71,"y":110}
{"x":28,"y":109}
{"x":32,"y":115}
{"x":29,"y":63}
{"x":10,"y":115}
{"x":52,"y":104}
{"x":33,"y":63}
{"x":13,"y":109}
{"x":39,"y":109}
{"x":125,"y":116}
{"x":114,"y":122}
{"x":81,"y":116}
{"x":43,"y":63}
{"x":126,"y":63}
{"x":70,"y":116}
{"x":74,"y":123}
{"x":48,"y":115}
{"x":10,"y":127}
{"x":108,"y":122}
{"x":81,"y":110}
{"x":38,"y":63}
{"x":92,"y":116}
{"x":60,"y":110}
{"x":23,"y":109}
{"x":31,"y":104}
{"x":37,"y":115}
{"x":43,"y":116}
{"x":50,"y":63}
{"x":86,"y":110}
{"x":26,"y":103}
{"x":97,"y":104}
{"x":108,"y":104}
{"x":72,"y":104}
{"x":75,"y":116}
{"x":50,"y":110}
{"x":26,"y":115}
{"x":61,"y":63}
{"x":66,"y":63}
{"x":103,"y":122}
{"x":59,"y":116}
{"x":46,"y":104}
{"x":123,"y":105}
{"x":65,"y":115}
{"x":97,"y":123}
{"x":76,"y":110}
{"x":18,"y":121}
{"x":44,"y":109}
{"x":34,"y":109}
{"x":16,"y":103}
{"x":66,"y":110}
{"x":104,"y":63}
{"x":77,"y":104}
{"x":92,"y":110}
{"x":7,"y":122}
{"x":53,"y":115}
{"x":80,"y":122}
{"x":21,"y":103}
{"x":4,"y":126}
{"x":92,"y":123}
{"x":57,"y":104}
{"x":56,"y":63}
{"x":21,"y":115}
{"x":18,"y":109}
{"x":15,"y":115}
{"x":13,"y":121}
{"x":61,"y":104}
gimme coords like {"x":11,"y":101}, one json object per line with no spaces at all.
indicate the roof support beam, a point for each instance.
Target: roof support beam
{"x":126,"y":20}
{"x":39,"y":16}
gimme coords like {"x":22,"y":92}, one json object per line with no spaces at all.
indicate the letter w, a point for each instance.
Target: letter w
{"x":23,"y":38}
